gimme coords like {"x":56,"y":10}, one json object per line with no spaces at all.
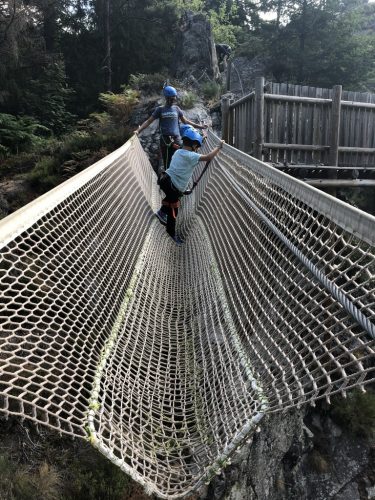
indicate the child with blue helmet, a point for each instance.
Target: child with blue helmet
{"x":174,"y":181}
{"x":169,"y":117}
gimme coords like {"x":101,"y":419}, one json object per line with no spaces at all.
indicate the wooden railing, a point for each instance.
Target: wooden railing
{"x":301,"y":129}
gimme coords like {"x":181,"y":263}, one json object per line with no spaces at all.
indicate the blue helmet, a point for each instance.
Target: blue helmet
{"x":193,"y":135}
{"x":184,"y":128}
{"x":169,"y":91}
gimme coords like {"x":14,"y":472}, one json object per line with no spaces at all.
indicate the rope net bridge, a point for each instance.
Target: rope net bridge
{"x":164,"y":357}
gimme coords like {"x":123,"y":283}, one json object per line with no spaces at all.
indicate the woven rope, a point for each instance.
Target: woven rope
{"x":167,"y":357}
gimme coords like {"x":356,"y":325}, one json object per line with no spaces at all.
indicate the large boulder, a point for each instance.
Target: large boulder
{"x":196,"y":58}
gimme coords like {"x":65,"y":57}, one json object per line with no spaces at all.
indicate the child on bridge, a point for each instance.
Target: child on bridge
{"x":169,"y":116}
{"x":174,"y":181}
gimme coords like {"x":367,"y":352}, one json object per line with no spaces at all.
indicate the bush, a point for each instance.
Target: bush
{"x":20,"y":483}
{"x":152,"y":82}
{"x":120,"y":106}
{"x":187,"y":100}
{"x":100,"y":479}
{"x":44,"y":175}
{"x":17,"y":164}
{"x":79,"y":141}
{"x":356,"y":413}
{"x":19,"y":134}
{"x":211,"y":90}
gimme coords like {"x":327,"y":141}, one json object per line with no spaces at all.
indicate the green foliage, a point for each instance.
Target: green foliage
{"x":46,"y":97}
{"x":4,"y":152}
{"x":151,"y":82}
{"x":319,"y":43}
{"x":120,"y":106}
{"x":19,"y":134}
{"x":79,"y":141}
{"x":19,"y":163}
{"x":223,"y":29}
{"x":44,"y":175}
{"x":92,"y":481}
{"x":49,"y":467}
{"x":20,"y":483}
{"x":356,"y":413}
{"x":211,"y":90}
{"x":187,"y":100}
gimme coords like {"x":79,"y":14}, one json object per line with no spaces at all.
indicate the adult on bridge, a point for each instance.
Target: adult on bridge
{"x":169,"y":117}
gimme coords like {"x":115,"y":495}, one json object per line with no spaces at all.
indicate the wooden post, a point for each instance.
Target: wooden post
{"x":230,"y":123}
{"x":259,"y":117}
{"x":229,"y":73}
{"x":335,"y":134}
{"x":224,"y":118}
{"x":335,"y":125}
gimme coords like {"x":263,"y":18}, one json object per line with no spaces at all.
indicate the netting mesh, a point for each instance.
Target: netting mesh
{"x":167,"y":357}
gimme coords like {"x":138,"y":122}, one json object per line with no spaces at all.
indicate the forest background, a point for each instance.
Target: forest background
{"x":71,"y":70}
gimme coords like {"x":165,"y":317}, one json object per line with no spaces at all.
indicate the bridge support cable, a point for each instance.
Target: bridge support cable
{"x":167,"y":358}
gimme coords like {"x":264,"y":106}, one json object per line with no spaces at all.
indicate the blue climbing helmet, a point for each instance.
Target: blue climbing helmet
{"x":169,"y":91}
{"x":193,"y":135}
{"x":184,"y":128}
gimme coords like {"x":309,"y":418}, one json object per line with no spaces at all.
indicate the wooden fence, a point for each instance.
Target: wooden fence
{"x":294,"y":124}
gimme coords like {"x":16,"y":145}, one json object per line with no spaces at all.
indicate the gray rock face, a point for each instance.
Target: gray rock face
{"x":196,"y":54}
{"x":243,"y":74}
{"x":299,"y":455}
{"x":13,"y":194}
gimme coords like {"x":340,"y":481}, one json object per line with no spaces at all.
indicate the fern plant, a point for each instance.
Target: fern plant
{"x":18,"y":134}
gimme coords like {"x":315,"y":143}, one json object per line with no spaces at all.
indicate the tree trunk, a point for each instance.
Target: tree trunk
{"x":302,"y":39}
{"x":50,"y":25}
{"x":107,"y":42}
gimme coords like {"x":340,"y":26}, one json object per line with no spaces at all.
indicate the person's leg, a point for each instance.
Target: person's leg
{"x":171,"y":196}
{"x":172,"y":217}
{"x":164,"y":183}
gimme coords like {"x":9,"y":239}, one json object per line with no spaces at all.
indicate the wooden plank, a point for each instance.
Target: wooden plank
{"x":293,"y":135}
{"x":259,"y":117}
{"x":334,"y":183}
{"x":291,"y":98}
{"x":243,"y":99}
{"x":335,"y":125}
{"x":357,"y":104}
{"x":326,"y":167}
{"x":302,"y":147}
{"x":224,"y":118}
{"x":355,"y":149}
{"x":229,"y":74}
{"x":231,"y":123}
{"x":315,"y":133}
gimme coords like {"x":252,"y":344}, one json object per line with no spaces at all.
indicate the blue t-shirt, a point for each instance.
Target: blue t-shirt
{"x":181,"y":167}
{"x":168,"y":118}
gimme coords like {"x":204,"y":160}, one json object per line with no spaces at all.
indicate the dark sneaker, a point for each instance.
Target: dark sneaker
{"x":178,"y":240}
{"x":162,"y":216}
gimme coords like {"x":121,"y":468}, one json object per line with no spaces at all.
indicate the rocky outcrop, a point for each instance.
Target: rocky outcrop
{"x":14,"y":193}
{"x":243,"y":73}
{"x":195,"y":54}
{"x":299,"y":455}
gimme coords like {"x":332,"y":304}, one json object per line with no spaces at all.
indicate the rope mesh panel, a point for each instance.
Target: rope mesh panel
{"x":167,"y":357}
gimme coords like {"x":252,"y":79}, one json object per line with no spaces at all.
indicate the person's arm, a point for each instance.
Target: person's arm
{"x":209,"y":156}
{"x":195,"y":125}
{"x":144,"y":125}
